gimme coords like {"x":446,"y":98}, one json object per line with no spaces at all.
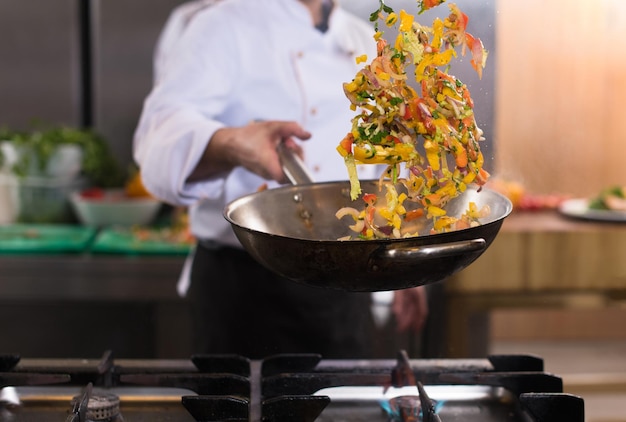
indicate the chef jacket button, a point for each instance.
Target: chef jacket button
{"x":316,"y":168}
{"x":300,"y":54}
{"x":313,"y":111}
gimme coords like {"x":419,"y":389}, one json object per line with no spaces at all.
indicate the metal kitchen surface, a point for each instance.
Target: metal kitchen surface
{"x":284,"y":388}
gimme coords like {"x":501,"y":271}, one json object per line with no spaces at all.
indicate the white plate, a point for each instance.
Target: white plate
{"x":579,"y":208}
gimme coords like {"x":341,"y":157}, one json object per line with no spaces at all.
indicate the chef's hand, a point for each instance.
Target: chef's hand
{"x":252,"y":146}
{"x":410,"y":308}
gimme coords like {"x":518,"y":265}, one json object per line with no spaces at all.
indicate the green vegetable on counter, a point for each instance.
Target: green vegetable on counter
{"x":599,"y":202}
{"x":98,"y":165}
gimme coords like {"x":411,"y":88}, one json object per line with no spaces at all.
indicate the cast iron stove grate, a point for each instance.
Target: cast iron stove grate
{"x":298,"y":387}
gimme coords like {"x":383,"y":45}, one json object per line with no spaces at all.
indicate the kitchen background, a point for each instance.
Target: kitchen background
{"x":549,"y":102}
{"x":88,"y":63}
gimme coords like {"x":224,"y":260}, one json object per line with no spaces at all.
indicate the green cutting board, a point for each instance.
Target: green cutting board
{"x":45,"y":238}
{"x":122,"y":241}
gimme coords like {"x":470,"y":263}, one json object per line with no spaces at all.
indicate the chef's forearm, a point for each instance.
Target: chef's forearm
{"x":216,"y":159}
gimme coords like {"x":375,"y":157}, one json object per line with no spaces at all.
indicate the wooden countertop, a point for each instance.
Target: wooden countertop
{"x":542,"y":251}
{"x":553,"y":221}
{"x":535,"y":252}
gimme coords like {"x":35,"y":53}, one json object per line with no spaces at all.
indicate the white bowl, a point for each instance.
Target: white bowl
{"x":65,"y":162}
{"x":114,"y":208}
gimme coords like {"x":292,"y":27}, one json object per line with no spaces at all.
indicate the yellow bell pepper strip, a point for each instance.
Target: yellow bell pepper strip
{"x":361,"y":59}
{"x":434,"y":211}
{"x":392,"y":18}
{"x":378,"y":154}
{"x":444,"y":223}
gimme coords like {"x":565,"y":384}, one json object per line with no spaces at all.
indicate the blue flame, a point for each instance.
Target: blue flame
{"x":394,"y":414}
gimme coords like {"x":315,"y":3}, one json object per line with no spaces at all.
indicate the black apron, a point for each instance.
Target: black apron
{"x":240,"y":307}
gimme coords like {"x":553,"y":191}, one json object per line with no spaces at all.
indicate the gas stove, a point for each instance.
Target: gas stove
{"x":284,"y":388}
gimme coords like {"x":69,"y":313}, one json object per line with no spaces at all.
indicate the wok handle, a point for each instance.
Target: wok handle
{"x":293,"y":166}
{"x":406,"y":255}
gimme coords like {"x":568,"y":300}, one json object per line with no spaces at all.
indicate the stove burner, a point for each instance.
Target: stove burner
{"x":403,"y":408}
{"x":104,"y":407}
{"x":89,"y":407}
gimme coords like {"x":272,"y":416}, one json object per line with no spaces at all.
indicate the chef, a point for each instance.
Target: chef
{"x":233,"y":79}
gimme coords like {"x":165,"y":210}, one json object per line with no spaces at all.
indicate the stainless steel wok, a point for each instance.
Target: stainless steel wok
{"x":293,"y":231}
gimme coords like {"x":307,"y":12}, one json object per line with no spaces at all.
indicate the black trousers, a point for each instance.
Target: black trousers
{"x":238,"y":306}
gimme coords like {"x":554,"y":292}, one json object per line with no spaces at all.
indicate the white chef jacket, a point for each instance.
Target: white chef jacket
{"x":239,"y":61}
{"x":172,"y":30}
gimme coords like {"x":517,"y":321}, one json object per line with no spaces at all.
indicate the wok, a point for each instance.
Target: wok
{"x":292,"y":230}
